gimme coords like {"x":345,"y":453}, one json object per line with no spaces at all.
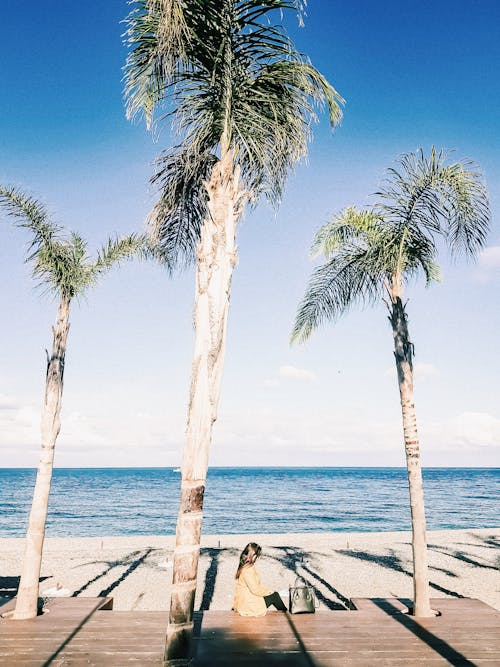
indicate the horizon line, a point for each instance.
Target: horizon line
{"x":253,"y":467}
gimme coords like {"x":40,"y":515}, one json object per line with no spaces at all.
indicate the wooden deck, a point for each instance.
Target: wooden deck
{"x":78,"y":632}
{"x":42,"y":640}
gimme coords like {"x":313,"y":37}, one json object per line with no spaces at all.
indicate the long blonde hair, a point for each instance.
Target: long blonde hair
{"x":248,"y":556}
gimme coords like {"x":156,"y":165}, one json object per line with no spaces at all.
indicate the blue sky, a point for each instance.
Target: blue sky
{"x":413,"y":74}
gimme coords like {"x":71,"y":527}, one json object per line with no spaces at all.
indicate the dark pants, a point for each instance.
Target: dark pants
{"x":275,"y":600}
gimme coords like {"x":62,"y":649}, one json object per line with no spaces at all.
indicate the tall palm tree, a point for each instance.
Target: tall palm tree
{"x":242,"y":100}
{"x":61,"y":263}
{"x":379,"y":250}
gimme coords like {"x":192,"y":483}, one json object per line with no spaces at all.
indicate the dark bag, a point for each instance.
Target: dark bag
{"x":302,"y":599}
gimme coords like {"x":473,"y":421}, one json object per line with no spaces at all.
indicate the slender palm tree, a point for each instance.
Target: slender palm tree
{"x":61,"y":263}
{"x":242,"y":100}
{"x":379,"y":250}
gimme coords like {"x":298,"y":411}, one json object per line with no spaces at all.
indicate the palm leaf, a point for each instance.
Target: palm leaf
{"x":158,"y":35}
{"x":29,"y":214}
{"x":346,"y":279}
{"x":350,"y":226}
{"x":175,"y":222}
{"x":422,"y":200}
{"x":230,"y":80}
{"x":60,"y":261}
{"x":438,"y":199}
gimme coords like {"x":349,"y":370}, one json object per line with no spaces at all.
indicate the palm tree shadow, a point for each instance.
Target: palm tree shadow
{"x":211,"y":575}
{"x":224,"y":649}
{"x":9,"y":586}
{"x":293,"y":558}
{"x":452,"y":656}
{"x":460,"y":555}
{"x":490,"y":541}
{"x":8,"y":591}
{"x":133,"y":560}
{"x":393,"y":562}
{"x":448,"y":573}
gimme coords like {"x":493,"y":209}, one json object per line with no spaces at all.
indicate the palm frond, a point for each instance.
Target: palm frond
{"x":118,"y":249}
{"x":272,"y":116}
{"x":274,"y":94}
{"x":56,"y":268}
{"x":60,"y":260}
{"x":416,"y":252}
{"x":228,"y":79}
{"x":30,"y":214}
{"x":175,"y":222}
{"x":438,"y":199}
{"x":396,"y":240}
{"x":346,"y":279}
{"x":158,"y":36}
{"x":467,"y":209}
{"x":432,"y":271}
{"x":350,"y":226}
{"x":65,"y":266}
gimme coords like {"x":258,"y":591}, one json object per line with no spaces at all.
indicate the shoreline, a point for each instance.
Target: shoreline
{"x":136,"y":570}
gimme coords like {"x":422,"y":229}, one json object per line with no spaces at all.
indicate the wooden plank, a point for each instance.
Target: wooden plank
{"x":448,"y":605}
{"x":466,"y":634}
{"x":372,"y":605}
{"x":64,"y":607}
{"x":37,"y":640}
{"x":370,"y":644}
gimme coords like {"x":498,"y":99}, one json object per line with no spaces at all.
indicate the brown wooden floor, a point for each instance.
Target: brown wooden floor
{"x":76,"y":633}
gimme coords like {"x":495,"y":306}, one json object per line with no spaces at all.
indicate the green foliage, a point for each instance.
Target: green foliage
{"x":441,"y":199}
{"x":423,"y":200}
{"x":232,"y":80}
{"x":60,"y":260}
{"x":157,"y":34}
{"x":182,"y":203}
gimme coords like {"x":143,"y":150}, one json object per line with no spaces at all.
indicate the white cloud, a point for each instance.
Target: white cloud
{"x":8,"y":403}
{"x":489,"y":258}
{"x":468,"y":430}
{"x":274,"y":437}
{"x":488,"y":266}
{"x":296,"y":373}
{"x":423,"y":370}
{"x":289,"y":373}
{"x":270,"y":383}
{"x":19,"y":424}
{"x":284,"y":437}
{"x":120,"y":434}
{"x":129,"y":434}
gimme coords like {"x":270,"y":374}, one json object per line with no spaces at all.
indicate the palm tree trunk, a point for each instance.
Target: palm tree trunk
{"x":404,"y":365}
{"x":216,"y":260}
{"x":27,"y":596}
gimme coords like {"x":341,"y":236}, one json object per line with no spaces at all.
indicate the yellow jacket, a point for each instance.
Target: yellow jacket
{"x":249,"y":596}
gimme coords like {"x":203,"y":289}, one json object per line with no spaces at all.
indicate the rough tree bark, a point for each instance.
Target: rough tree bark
{"x":215,"y":263}
{"x":403,"y":353}
{"x":27,"y":596}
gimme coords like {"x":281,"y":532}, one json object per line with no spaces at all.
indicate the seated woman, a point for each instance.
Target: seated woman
{"x":251,"y":598}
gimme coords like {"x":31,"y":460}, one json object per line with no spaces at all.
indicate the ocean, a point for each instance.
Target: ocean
{"x":144,"y":501}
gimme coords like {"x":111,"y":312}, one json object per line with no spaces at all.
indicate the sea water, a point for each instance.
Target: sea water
{"x":144,"y":501}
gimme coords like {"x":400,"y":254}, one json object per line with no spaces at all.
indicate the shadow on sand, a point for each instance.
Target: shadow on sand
{"x":132,"y":560}
{"x":9,"y":586}
{"x":297,"y":562}
{"x":393,"y":562}
{"x":460,"y":555}
{"x":214,"y":554}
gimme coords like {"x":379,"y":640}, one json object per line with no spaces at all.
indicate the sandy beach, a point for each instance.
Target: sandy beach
{"x":136,"y":571}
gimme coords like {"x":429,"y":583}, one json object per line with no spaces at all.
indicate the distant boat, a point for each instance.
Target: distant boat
{"x":177,"y":469}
